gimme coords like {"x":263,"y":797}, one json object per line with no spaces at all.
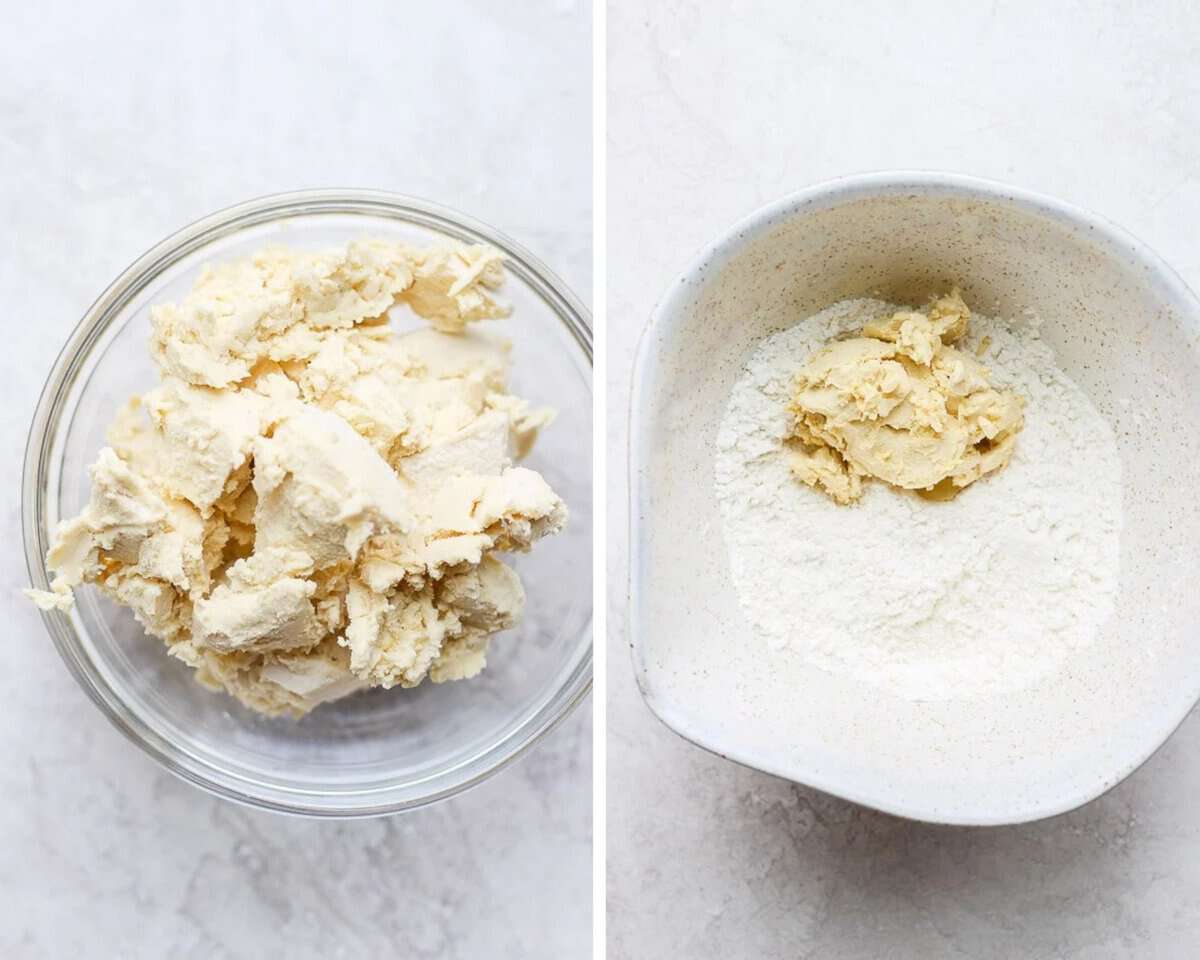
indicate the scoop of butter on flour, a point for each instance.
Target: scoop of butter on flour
{"x":900,"y":404}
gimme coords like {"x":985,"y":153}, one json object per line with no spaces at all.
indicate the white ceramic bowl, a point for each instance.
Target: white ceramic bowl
{"x":1125,"y":327}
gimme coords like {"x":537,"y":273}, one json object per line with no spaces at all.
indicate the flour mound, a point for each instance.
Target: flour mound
{"x":960,"y":600}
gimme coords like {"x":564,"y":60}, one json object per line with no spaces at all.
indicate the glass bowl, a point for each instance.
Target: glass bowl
{"x":379,"y":751}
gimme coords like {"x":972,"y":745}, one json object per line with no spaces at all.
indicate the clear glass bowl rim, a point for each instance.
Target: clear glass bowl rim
{"x":51,"y":407}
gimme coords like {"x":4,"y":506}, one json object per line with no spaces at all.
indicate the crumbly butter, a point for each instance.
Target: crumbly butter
{"x":900,"y":404}
{"x":308,"y":504}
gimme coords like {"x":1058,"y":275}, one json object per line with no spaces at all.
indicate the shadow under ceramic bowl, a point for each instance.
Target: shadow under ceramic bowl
{"x":378,"y":751}
{"x":1124,"y":327}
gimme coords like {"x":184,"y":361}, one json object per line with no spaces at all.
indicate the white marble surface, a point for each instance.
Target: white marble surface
{"x":118,"y":124}
{"x":715,"y":109}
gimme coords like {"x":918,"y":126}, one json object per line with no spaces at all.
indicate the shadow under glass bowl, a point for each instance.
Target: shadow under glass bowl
{"x":376,"y":752}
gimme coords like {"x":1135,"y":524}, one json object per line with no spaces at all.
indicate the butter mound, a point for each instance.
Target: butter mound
{"x":308,"y":504}
{"x":902,"y":405}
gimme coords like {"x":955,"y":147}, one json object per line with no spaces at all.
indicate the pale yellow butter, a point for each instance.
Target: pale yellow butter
{"x":308,"y":504}
{"x":899,"y":404}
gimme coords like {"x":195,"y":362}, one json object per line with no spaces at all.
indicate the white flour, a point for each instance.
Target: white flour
{"x":959,"y":600}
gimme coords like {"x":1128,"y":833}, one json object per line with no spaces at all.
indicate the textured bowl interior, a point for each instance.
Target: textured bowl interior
{"x":1124,"y":328}
{"x":379,"y":749}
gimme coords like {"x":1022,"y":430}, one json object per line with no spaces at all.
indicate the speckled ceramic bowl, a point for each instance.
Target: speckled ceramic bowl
{"x":1125,"y":328}
{"x":382,"y":750}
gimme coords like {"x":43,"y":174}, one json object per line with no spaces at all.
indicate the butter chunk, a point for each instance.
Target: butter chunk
{"x":900,"y":405}
{"x":441,"y":356}
{"x":278,"y":615}
{"x":479,"y":448}
{"x":487,"y":597}
{"x":311,"y":680}
{"x":123,"y":512}
{"x":395,"y":640}
{"x":274,"y":306}
{"x":456,"y":285}
{"x":820,"y":466}
{"x":322,"y":489}
{"x":205,"y":435}
{"x":513,"y":509}
{"x":265,"y":603}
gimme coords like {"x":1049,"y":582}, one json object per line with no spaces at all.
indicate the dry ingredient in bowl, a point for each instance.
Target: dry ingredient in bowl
{"x":308,"y":504}
{"x":963,"y":599}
